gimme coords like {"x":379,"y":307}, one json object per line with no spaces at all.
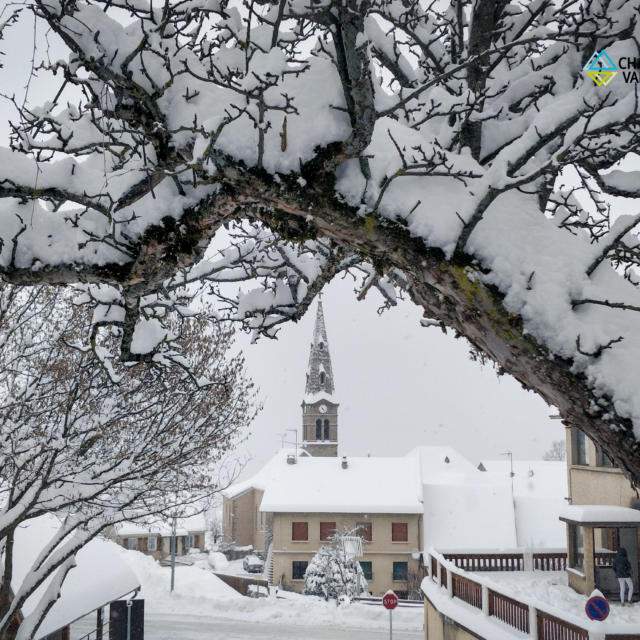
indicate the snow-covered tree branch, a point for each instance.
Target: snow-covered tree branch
{"x":453,"y":150}
{"x":96,"y":442}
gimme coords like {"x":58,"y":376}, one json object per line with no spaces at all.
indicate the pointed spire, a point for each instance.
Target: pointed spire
{"x":319,"y":371}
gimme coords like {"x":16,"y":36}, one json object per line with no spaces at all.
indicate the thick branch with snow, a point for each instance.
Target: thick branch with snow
{"x":455,"y":151}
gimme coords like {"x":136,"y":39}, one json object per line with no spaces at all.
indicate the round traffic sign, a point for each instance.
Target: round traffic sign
{"x":597,"y":608}
{"x":390,"y":600}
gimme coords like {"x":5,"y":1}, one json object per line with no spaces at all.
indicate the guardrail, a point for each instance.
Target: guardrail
{"x":533,"y":621}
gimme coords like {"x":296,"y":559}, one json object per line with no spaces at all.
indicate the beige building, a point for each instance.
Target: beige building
{"x":603,"y":515}
{"x":378,"y":499}
{"x":155,"y":539}
{"x":300,"y":498}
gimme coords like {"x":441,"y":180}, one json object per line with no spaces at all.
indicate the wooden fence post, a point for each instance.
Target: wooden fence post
{"x":450,"y":583}
{"x":527,"y":560}
{"x":485,"y":599}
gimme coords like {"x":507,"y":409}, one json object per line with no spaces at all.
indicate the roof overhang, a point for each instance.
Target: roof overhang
{"x":598,"y":515}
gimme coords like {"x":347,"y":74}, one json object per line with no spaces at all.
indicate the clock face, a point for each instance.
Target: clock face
{"x":323,"y":408}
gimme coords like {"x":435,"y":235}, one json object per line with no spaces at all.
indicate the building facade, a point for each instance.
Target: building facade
{"x":604,"y":515}
{"x":388,"y":542}
{"x":155,"y":539}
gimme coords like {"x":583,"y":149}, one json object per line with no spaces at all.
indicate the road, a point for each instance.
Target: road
{"x":175,"y":627}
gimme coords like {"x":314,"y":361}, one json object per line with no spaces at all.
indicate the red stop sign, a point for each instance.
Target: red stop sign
{"x":390,"y":600}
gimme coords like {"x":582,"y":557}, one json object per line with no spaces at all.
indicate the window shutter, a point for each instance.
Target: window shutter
{"x":365,"y":531}
{"x":299,"y":531}
{"x":327,"y":529}
{"x":399,"y":532}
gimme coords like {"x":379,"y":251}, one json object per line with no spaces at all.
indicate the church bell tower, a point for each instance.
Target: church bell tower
{"x":319,"y":408}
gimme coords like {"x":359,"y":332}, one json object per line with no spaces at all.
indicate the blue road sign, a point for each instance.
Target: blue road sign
{"x":597,"y":608}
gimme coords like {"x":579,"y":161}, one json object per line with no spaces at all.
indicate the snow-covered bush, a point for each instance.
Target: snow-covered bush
{"x":333,"y":576}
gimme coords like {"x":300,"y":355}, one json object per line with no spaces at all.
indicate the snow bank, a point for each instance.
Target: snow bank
{"x":199,"y":592}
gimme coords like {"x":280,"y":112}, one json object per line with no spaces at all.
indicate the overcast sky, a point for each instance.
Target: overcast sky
{"x":399,"y":385}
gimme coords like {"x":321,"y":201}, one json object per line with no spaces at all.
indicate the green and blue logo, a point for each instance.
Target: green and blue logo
{"x":601,"y":69}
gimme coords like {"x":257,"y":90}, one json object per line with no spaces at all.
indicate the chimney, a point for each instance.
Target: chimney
{"x":345,"y":464}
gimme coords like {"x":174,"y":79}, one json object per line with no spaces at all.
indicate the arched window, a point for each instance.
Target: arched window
{"x":326,"y":430}
{"x":318,"y":429}
{"x":322,"y":377}
{"x":321,"y":345}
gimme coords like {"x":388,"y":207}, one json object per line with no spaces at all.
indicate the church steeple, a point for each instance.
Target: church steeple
{"x":319,"y":409}
{"x":319,"y":372}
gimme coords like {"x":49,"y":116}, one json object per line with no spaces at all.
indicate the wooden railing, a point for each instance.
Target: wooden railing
{"x":552,"y":628}
{"x":467,"y":590}
{"x":508,"y":610}
{"x":487,"y":561}
{"x":518,"y":615}
{"x":550,"y":561}
{"x":604,"y":558}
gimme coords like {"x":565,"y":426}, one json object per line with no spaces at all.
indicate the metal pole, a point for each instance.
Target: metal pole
{"x":173,"y":552}
{"x":390,"y":625}
{"x":129,"y":605}
{"x":99,"y":624}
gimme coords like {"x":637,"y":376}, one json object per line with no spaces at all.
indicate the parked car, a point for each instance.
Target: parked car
{"x":253,"y":564}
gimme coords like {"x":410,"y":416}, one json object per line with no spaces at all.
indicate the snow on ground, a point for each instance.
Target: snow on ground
{"x":552,"y":589}
{"x":199,"y":592}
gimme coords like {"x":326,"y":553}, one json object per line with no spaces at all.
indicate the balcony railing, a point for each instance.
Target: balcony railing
{"x":536,"y":623}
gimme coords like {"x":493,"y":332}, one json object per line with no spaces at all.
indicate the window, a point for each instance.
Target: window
{"x":576,"y":547}
{"x":580,"y":447}
{"x":152,"y":544}
{"x":400,"y":570}
{"x":321,"y":345}
{"x":299,"y":530}
{"x":367,"y":569}
{"x":326,"y":430}
{"x":190,"y":542}
{"x":318,"y":429}
{"x":327,"y":529}
{"x":322,"y":377}
{"x":602,"y":459}
{"x":132,"y":543}
{"x":606,"y":543}
{"x":399,"y":532}
{"x":298,"y":569}
{"x":365,"y":531}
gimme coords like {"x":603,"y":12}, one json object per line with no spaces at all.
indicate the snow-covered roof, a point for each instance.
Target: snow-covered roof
{"x":599,"y":514}
{"x":463,"y":504}
{"x":442,"y":465}
{"x":311,"y":398}
{"x":99,"y":577}
{"x":539,"y":489}
{"x":262,"y":478}
{"x":367,"y":485}
{"x":161,"y":528}
{"x":533,"y":478}
{"x":468,"y":515}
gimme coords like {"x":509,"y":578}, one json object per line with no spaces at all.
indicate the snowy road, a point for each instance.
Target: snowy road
{"x":173,"y":627}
